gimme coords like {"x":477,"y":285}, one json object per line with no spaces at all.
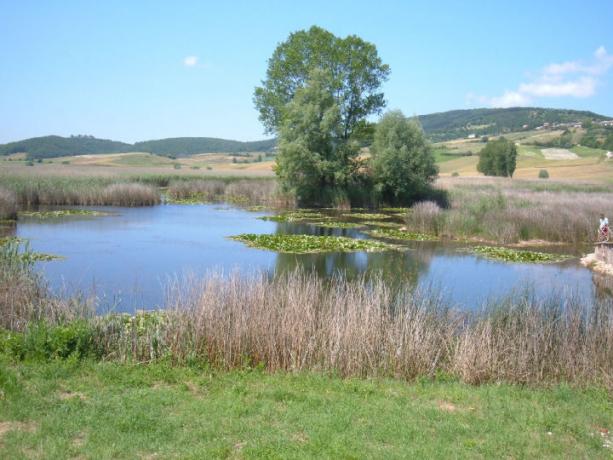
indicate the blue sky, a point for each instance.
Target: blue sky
{"x":137,"y":70}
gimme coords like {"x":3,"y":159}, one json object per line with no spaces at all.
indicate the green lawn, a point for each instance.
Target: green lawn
{"x":105,"y":410}
{"x":588,"y":152}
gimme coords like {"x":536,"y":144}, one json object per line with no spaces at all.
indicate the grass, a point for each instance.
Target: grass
{"x":515,"y":255}
{"x":505,"y":211}
{"x":294,"y":216}
{"x":64,"y":409}
{"x":303,"y":244}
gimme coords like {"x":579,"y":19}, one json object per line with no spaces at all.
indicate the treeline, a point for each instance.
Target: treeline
{"x":58,"y":146}
{"x":192,"y":145}
{"x":483,"y":122}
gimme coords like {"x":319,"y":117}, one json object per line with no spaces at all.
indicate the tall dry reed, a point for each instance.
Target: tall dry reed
{"x":8,"y":204}
{"x":364,"y":328}
{"x":507,"y":211}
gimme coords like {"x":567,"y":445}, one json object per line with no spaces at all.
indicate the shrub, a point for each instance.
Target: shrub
{"x":177,"y":166}
{"x":543,"y":174}
{"x":498,"y":158}
{"x":455,"y":174}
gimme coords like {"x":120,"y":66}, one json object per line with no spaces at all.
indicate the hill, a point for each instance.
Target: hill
{"x":460,"y":123}
{"x":184,"y":146}
{"x":57,"y":146}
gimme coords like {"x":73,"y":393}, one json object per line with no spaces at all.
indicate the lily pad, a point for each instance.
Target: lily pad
{"x":59,"y":213}
{"x":376,"y":223}
{"x":337,"y":224}
{"x":295,"y":216}
{"x":515,"y":255}
{"x":368,"y":216}
{"x":397,"y":234}
{"x":304,"y":244}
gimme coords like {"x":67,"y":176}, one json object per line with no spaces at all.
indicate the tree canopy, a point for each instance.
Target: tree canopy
{"x":355,"y":74}
{"x":402,"y":160}
{"x":498,"y":158}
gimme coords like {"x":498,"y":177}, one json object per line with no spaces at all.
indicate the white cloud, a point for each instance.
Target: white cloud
{"x":566,"y":79}
{"x":190,"y":61}
{"x":509,"y":99}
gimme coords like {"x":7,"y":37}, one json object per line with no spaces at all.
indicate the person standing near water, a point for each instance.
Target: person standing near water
{"x":603,"y":229}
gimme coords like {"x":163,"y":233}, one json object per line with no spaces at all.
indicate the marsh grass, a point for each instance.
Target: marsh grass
{"x":505,"y":211}
{"x":55,"y":191}
{"x":61,"y":213}
{"x":8,"y":205}
{"x":240,"y":192}
{"x":301,"y":322}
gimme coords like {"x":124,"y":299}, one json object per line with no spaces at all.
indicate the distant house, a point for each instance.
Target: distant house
{"x":524,"y":126}
{"x":609,"y":155}
{"x":472,"y":136}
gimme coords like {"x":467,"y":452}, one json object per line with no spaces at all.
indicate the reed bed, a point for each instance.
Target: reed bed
{"x":8,"y":204}
{"x":362,"y":328}
{"x":508,"y":212}
{"x":243,"y":192}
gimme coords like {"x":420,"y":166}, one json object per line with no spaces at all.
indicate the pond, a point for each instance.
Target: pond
{"x":126,"y":256}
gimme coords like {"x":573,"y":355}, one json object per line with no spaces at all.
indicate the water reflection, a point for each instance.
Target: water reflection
{"x":126,"y":258}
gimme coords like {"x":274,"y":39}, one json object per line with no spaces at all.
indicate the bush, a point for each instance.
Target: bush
{"x":498,"y":158}
{"x":29,"y":163}
{"x":455,"y":174}
{"x":543,"y":174}
{"x":177,"y":166}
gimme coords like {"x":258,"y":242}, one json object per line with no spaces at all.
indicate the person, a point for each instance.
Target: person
{"x":603,"y":229}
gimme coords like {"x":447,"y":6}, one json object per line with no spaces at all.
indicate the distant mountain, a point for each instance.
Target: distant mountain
{"x":57,"y":146}
{"x":460,"y":123}
{"x":182,"y":146}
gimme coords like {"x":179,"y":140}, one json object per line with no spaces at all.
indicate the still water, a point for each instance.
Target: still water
{"x":125,"y":259}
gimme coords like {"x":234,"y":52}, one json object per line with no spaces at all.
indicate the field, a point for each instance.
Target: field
{"x":590,"y":164}
{"x":109,"y":410}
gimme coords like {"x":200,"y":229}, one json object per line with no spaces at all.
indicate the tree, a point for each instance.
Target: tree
{"x":355,"y":70}
{"x":312,"y":161}
{"x":498,"y":158}
{"x":402,"y":160}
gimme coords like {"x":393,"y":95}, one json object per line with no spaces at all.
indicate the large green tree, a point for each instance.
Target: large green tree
{"x":355,"y":77}
{"x":402,"y":160}
{"x":317,"y":95}
{"x":498,"y":158}
{"x":312,"y":161}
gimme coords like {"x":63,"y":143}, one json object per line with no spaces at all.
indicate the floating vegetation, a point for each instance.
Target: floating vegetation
{"x":11,"y":252}
{"x":403,"y":210}
{"x":377,"y":223}
{"x":398,"y":234}
{"x":257,"y":208}
{"x":59,"y":213}
{"x":337,"y":224}
{"x":515,"y":255}
{"x":195,"y":199}
{"x":295,"y":216}
{"x":368,"y":216}
{"x":304,"y":244}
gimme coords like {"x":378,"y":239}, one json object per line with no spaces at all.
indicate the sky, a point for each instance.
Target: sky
{"x":138,"y":70}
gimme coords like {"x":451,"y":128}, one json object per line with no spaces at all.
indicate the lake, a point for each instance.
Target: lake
{"x":126,"y":258}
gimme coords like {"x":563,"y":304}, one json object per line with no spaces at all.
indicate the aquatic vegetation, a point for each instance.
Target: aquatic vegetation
{"x":59,"y":213}
{"x":303,"y":244}
{"x":337,"y":224}
{"x":398,"y":234}
{"x":196,"y":199}
{"x":377,"y":223}
{"x":366,"y":215}
{"x":515,"y":255}
{"x":295,"y":216}
{"x":402,"y":210}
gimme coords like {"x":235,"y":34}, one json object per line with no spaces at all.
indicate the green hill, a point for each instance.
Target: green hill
{"x":460,"y":123}
{"x":57,"y":146}
{"x":183,"y":146}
